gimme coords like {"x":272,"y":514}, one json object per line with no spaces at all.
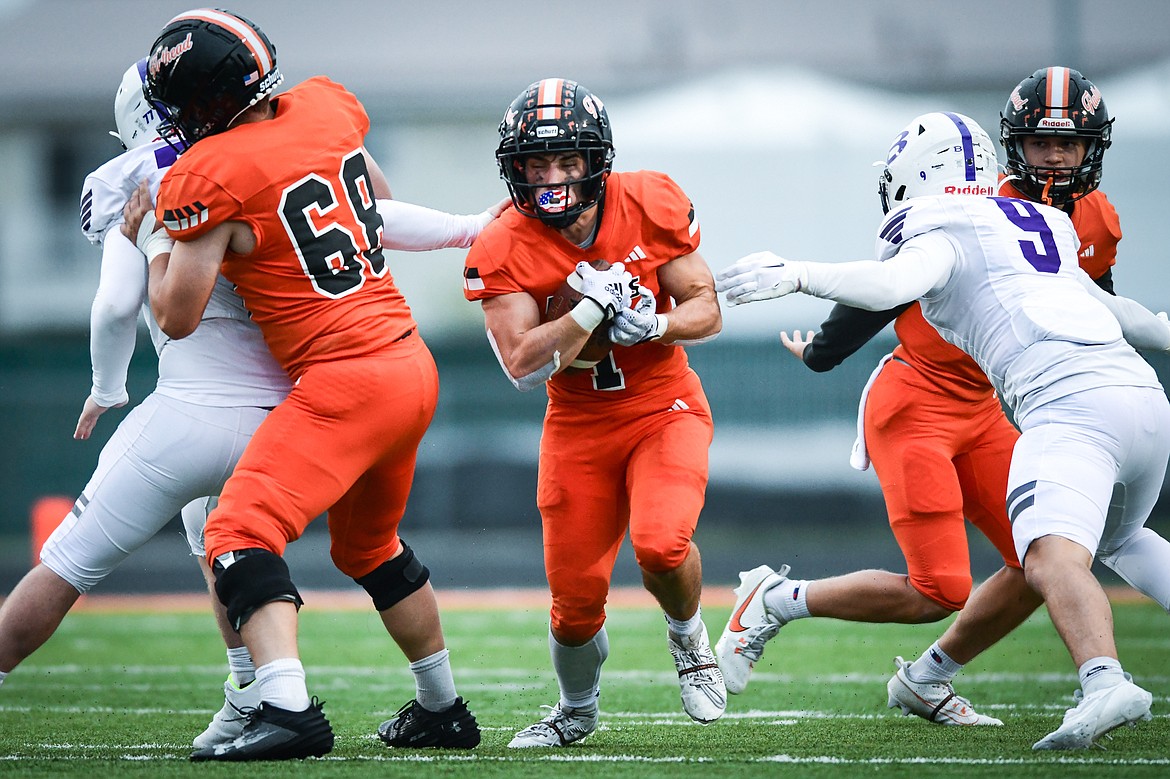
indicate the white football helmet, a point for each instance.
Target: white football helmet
{"x":136,"y":119}
{"x":939,"y":153}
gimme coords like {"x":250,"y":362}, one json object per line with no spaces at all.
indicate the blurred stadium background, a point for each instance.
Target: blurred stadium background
{"x":768,"y":113}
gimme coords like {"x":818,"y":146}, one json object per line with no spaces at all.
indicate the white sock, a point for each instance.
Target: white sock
{"x":4,"y":676}
{"x":788,"y":600}
{"x":578,"y":669}
{"x":1100,"y":673}
{"x":282,"y":683}
{"x":934,"y":666}
{"x":433,"y":682}
{"x":241,"y":666}
{"x":686,"y":628}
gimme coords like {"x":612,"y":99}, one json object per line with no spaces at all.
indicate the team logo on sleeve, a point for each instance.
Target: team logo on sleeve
{"x":185,"y":217}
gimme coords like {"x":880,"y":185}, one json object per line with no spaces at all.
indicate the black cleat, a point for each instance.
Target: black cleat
{"x":273,"y":733}
{"x":414,"y":727}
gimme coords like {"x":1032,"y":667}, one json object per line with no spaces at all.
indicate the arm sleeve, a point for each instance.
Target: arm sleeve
{"x":922,"y":264}
{"x":1105,"y":281}
{"x":113,"y":318}
{"x":845,"y":331}
{"x":1140,"y":326}
{"x":412,"y":228}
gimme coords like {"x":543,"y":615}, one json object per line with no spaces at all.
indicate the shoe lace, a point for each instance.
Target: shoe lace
{"x":407,"y":713}
{"x":695,"y":665}
{"x":753,"y":649}
{"x":565,"y":718}
{"x":248,"y":713}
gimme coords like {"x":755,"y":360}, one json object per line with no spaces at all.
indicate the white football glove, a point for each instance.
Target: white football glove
{"x":760,"y":276}
{"x":635,"y":325}
{"x":610,"y":289}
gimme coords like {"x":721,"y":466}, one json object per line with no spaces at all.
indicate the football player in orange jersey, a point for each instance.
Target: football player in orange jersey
{"x":625,"y":439}
{"x":938,"y":439}
{"x":280,"y":194}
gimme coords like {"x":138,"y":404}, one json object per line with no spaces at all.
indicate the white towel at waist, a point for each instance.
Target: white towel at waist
{"x":859,"y":457}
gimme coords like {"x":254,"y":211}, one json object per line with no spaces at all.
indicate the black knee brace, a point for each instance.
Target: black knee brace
{"x":395,"y":579}
{"x":252,"y":578}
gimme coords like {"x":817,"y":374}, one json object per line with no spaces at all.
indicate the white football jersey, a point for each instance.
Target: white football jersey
{"x":225,"y":361}
{"x":1014,"y":300}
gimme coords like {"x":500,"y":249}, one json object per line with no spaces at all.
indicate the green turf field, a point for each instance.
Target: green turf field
{"x":120,"y":694}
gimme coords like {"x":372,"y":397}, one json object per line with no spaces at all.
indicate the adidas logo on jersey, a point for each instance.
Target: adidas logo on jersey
{"x":186,"y":217}
{"x":1088,"y":251}
{"x":636,"y":254}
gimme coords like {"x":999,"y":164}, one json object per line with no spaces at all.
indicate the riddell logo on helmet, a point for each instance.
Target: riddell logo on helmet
{"x":970,"y":189}
{"x":1056,"y":123}
{"x":167,"y":56}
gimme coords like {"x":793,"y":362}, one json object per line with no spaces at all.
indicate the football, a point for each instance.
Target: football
{"x":598,"y":345}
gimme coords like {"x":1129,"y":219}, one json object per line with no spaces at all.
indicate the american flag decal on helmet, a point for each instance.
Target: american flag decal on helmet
{"x":186,"y":217}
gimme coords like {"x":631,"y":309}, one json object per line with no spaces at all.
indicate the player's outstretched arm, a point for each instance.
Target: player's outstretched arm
{"x":412,"y":228}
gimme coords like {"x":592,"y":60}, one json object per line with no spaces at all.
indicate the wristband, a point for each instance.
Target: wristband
{"x":151,"y":241}
{"x":659,"y":328}
{"x":156,"y":245}
{"x":589,"y":314}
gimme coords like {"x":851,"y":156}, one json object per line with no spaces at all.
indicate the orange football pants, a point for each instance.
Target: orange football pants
{"x":608,"y":467}
{"x":344,"y":441}
{"x":939,"y":459}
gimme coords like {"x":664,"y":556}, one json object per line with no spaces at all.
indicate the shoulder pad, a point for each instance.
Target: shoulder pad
{"x":919,"y":215}
{"x":108,"y":188}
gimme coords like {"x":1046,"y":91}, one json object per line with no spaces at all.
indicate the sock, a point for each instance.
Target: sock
{"x":578,"y":669}
{"x":684,"y":629}
{"x":241,"y":666}
{"x":433,"y":683}
{"x":3,"y":676}
{"x":282,"y":683}
{"x":1100,"y":673}
{"x":788,"y":600}
{"x":934,"y":667}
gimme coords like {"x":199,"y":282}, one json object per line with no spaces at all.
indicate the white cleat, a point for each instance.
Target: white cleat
{"x":749,"y":628}
{"x":563,"y":726}
{"x":704,"y":696}
{"x":230,"y":720}
{"x":933,"y":701}
{"x":1098,"y":714}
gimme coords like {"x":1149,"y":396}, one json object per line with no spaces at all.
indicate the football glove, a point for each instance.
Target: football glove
{"x":760,"y":276}
{"x":635,"y":325}
{"x":610,"y":289}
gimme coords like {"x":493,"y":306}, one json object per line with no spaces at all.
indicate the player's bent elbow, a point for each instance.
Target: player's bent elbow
{"x":175,"y":327}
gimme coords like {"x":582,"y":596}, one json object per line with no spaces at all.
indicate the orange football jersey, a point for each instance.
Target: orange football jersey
{"x":947,"y":366}
{"x":317,"y":282}
{"x":647,"y":220}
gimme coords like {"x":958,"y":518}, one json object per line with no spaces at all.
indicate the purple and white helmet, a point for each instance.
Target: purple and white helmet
{"x":939,"y":153}
{"x":136,"y":119}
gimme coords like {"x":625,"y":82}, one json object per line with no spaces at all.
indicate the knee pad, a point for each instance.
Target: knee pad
{"x":250,"y":579}
{"x":950,"y":591}
{"x":395,"y":579}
